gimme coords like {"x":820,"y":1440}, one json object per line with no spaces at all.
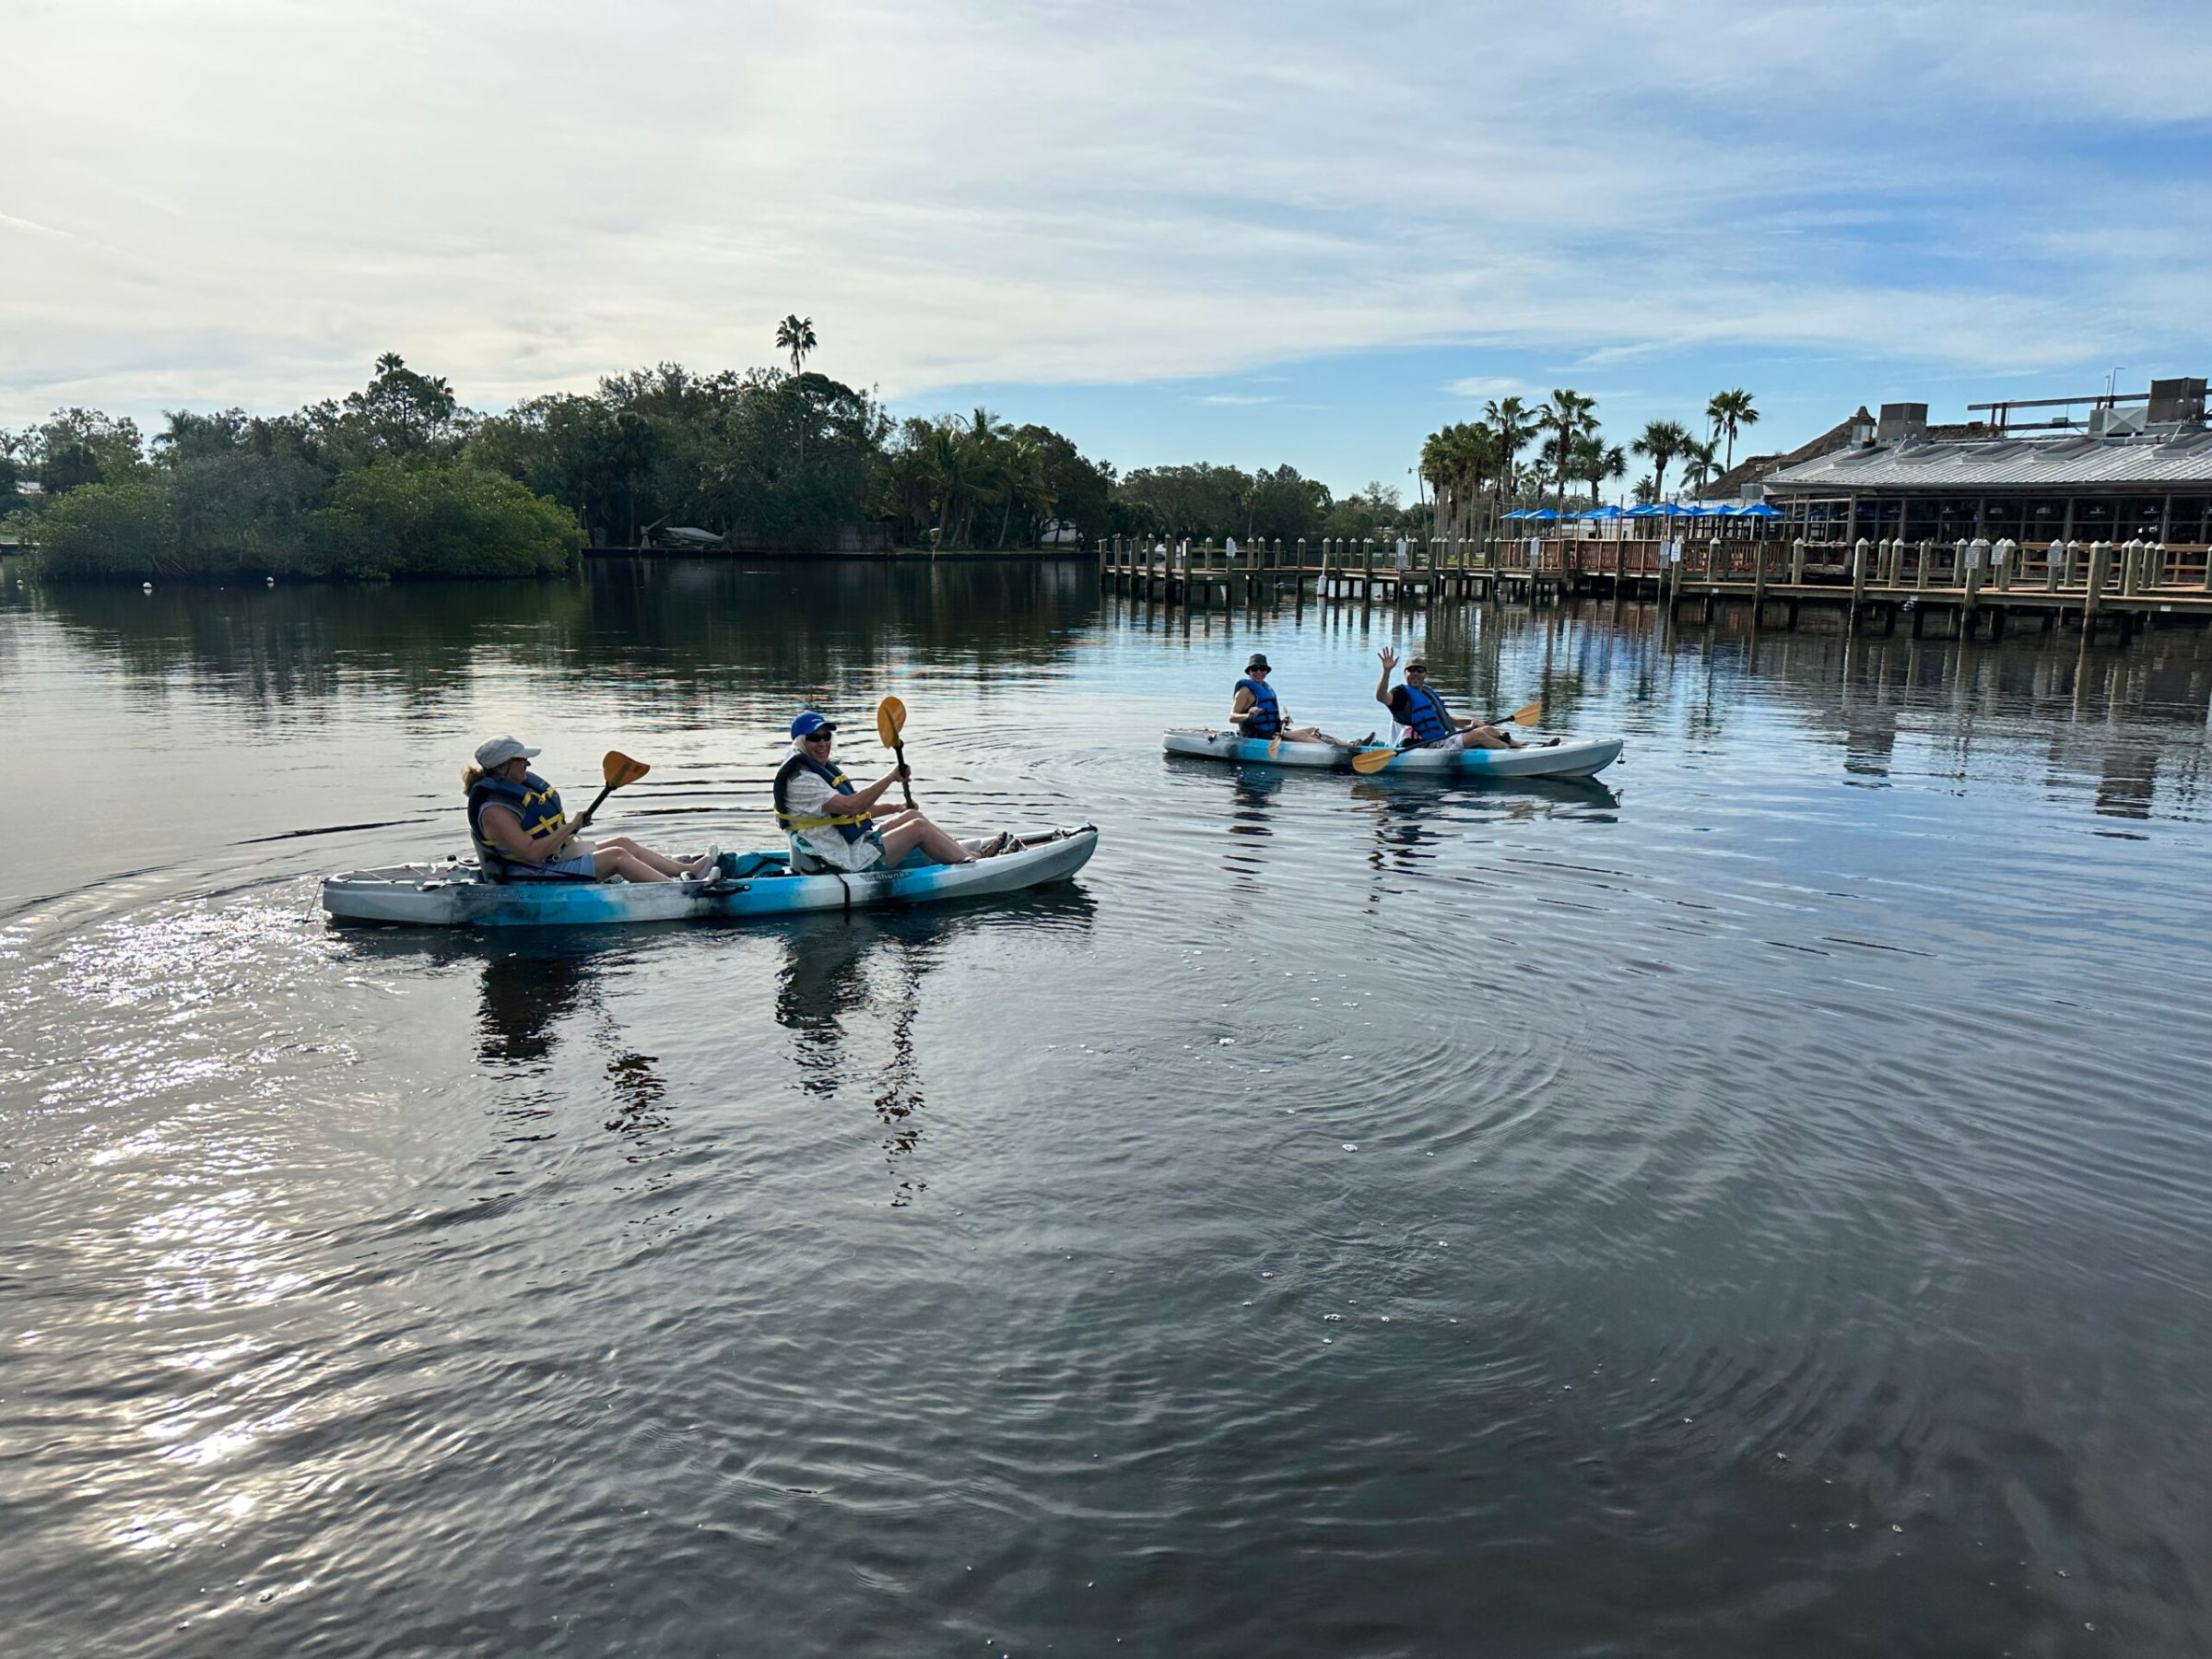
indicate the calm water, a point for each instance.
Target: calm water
{"x":1757,"y":1208}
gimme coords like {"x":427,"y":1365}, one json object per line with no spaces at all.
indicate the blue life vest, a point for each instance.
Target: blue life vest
{"x":1267,"y":717}
{"x":1425,"y":715}
{"x":533,"y":801}
{"x":852,"y":826}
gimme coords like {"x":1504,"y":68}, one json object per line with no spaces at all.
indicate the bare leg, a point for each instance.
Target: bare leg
{"x":910,"y":830}
{"x":1312,"y":735}
{"x":1483,"y":736}
{"x":656,"y":861}
{"x":612,"y":860}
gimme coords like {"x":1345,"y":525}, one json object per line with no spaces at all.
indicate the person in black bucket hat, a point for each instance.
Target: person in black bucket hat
{"x":1255,"y":711}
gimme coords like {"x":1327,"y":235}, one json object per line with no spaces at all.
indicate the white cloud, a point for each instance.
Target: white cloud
{"x":959,"y":192}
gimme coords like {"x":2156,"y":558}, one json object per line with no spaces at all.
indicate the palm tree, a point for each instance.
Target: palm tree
{"x":1511,"y":425}
{"x":1699,"y":462}
{"x":1729,"y":411}
{"x":1661,"y":440}
{"x":1595,"y":460}
{"x":1569,"y":417}
{"x":949,"y":467}
{"x":796,"y":334}
{"x":985,"y":444}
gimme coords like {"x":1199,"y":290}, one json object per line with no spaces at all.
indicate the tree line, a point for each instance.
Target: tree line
{"x":398,"y":479}
{"x":1516,"y":456}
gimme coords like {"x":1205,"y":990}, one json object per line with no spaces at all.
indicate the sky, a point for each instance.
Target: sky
{"x":1293,"y":232}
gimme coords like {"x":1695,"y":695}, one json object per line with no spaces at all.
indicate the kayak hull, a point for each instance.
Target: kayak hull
{"x":1570,"y":758}
{"x":450,"y":895}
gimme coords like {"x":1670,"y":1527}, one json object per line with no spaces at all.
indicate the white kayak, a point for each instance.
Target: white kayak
{"x":751,"y":884}
{"x":1569,"y":757}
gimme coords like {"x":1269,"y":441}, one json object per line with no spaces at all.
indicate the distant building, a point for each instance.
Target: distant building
{"x":2106,"y":467}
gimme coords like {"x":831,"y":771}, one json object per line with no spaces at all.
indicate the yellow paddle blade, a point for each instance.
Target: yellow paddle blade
{"x":1528,"y":713}
{"x":1374,"y":760}
{"x":891,"y":720}
{"x":619,"y":769}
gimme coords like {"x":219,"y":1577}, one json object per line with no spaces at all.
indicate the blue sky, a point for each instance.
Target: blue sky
{"x":1293,"y":232}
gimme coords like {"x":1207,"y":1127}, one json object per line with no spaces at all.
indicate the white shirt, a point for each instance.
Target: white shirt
{"x":807,"y":795}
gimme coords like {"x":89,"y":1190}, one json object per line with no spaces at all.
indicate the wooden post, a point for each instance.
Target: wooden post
{"x":1797,"y":562}
{"x":1758,"y":580}
{"x":1927,"y":557}
{"x":2100,"y":558}
{"x":1859,"y":555}
{"x":1971,"y":558}
{"x":1366,"y":568}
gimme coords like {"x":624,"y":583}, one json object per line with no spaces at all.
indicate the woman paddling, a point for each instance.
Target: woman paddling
{"x":830,"y":822}
{"x":522,"y":834}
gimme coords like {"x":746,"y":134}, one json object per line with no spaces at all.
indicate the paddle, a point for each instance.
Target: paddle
{"x":618,"y":769}
{"x":1369,"y":762}
{"x":890,"y":720}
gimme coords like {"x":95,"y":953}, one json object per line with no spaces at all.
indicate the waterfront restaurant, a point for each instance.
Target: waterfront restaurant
{"x":2134,"y":466}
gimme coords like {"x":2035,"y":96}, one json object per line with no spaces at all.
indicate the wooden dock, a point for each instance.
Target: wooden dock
{"x":1959,"y":588}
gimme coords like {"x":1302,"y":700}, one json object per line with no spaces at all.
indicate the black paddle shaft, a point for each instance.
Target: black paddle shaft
{"x":906,"y":789}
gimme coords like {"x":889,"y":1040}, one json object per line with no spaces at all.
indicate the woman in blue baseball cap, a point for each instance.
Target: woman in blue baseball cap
{"x":832,"y":825}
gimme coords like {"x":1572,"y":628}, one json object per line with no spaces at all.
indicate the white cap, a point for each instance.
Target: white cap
{"x":501,"y":750}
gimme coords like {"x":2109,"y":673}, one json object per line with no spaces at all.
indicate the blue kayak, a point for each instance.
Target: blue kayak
{"x":750,"y":884}
{"x":1569,"y":757}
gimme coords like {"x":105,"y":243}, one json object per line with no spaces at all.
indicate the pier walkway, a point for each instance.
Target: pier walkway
{"x":1959,"y":588}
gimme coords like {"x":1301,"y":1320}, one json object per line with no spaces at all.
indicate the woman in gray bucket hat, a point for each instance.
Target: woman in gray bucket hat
{"x":522,"y":834}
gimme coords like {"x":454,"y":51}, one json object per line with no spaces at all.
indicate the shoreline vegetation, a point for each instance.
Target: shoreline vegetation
{"x":399,"y":481}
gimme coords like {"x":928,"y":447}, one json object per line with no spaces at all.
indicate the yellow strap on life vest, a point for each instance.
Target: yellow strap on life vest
{"x":790,"y":822}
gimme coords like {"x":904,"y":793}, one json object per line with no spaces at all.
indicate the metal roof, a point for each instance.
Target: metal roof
{"x":2175,"y":460}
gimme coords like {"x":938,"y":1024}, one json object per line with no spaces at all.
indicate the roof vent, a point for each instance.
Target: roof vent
{"x":2176,"y":400}
{"x":2109,"y":420}
{"x":1900,"y":421}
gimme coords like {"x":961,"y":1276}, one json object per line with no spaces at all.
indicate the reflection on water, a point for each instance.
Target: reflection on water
{"x":1752,"y":1204}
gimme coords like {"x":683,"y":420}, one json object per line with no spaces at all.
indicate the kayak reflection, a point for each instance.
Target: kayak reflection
{"x":1411,"y":816}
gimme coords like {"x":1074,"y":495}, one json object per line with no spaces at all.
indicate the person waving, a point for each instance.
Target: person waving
{"x":1428,"y":723}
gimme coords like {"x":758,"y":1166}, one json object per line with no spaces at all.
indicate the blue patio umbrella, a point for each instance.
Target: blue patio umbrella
{"x":1543,"y":514}
{"x":1601,"y":515}
{"x":1518,"y":512}
{"x":1649,"y":509}
{"x":1758,"y":510}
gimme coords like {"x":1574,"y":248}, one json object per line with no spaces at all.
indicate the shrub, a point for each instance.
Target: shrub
{"x":109,"y":532}
{"x":440,"y":518}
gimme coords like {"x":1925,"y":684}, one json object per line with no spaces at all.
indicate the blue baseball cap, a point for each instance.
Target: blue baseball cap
{"x":806,"y":724}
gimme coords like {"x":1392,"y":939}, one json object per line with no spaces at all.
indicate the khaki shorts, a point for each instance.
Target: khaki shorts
{"x":833,"y":852}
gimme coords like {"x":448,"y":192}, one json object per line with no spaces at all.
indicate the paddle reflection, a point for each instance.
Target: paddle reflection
{"x":533,"y":984}
{"x":850,"y":992}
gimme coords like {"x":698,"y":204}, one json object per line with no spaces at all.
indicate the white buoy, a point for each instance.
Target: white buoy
{"x":147,"y":586}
